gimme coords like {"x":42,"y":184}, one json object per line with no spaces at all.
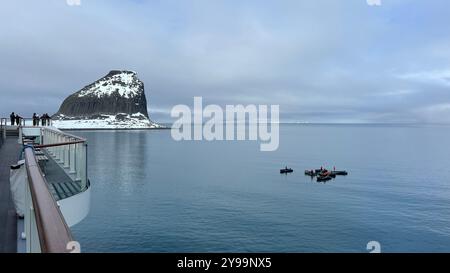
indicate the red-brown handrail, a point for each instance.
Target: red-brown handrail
{"x":54,"y":234}
{"x":59,"y":144}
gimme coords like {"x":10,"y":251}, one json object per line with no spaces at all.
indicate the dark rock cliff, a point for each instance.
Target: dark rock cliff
{"x":118,"y":93}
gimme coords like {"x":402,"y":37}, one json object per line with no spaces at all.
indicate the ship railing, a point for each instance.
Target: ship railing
{"x":25,"y":122}
{"x":46,"y":230}
{"x":29,"y":122}
{"x":69,"y":151}
{"x":2,"y":130}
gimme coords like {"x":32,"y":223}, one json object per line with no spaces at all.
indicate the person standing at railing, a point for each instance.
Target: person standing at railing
{"x":13,"y":118}
{"x":18,"y":119}
{"x":35,"y":119}
{"x":43,"y":120}
{"x":47,"y":119}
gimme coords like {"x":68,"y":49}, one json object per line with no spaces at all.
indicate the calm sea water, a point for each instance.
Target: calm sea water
{"x":153,"y":194}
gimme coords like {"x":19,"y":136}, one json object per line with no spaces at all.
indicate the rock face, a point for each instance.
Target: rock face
{"x":115,"y":101}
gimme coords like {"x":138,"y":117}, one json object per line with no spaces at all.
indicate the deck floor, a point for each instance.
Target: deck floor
{"x":9,"y":154}
{"x":60,"y":183}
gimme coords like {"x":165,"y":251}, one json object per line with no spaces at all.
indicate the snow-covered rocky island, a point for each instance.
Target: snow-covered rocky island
{"x":116,"y":101}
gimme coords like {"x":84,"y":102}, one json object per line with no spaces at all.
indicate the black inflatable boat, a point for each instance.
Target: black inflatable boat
{"x":286,"y":170}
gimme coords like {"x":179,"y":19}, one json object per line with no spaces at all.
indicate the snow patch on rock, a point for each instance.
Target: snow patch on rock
{"x":119,"y":121}
{"x":125,"y":83}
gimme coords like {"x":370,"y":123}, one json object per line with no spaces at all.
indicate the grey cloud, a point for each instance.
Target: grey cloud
{"x":322,"y":61}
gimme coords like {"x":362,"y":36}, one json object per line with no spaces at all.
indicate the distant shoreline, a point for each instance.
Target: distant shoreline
{"x":168,"y":126}
{"x":115,"y":129}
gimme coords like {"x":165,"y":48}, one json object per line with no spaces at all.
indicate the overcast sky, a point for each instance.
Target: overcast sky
{"x":320,"y":60}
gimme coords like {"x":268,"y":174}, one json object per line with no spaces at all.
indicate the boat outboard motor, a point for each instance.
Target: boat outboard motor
{"x":18,"y":179}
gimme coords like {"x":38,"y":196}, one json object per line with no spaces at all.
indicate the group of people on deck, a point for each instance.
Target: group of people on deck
{"x":44,"y":119}
{"x":15,"y":119}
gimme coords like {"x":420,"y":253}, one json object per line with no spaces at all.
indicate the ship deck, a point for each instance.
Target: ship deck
{"x":9,"y":153}
{"x":60,"y":184}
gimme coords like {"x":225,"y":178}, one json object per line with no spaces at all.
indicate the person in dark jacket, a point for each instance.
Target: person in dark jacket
{"x":43,"y":119}
{"x":35,"y":119}
{"x":48,"y":118}
{"x":13,"y":118}
{"x":18,"y":118}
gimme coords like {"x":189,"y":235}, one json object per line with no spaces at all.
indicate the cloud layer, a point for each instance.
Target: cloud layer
{"x":321,"y":61}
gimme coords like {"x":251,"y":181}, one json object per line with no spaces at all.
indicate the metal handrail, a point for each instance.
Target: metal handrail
{"x":69,"y":151}
{"x":64,"y":134}
{"x":53,"y":231}
{"x":23,"y":121}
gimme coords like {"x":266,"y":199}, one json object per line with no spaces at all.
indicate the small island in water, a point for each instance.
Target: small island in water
{"x":116,"y":101}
